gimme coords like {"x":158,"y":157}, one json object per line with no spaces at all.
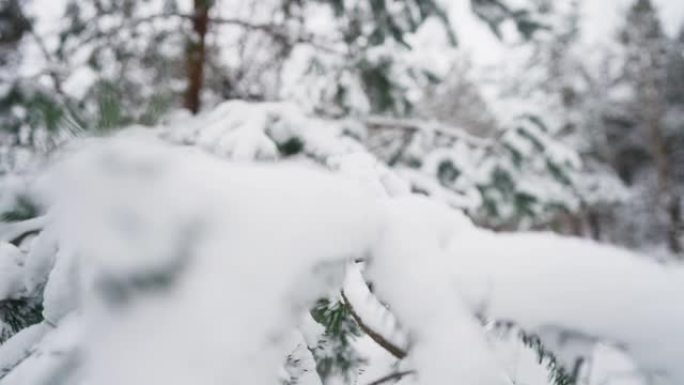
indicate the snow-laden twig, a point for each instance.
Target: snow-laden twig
{"x":371,"y":315}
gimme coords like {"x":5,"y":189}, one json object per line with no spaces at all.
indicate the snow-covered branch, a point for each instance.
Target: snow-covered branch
{"x":574,"y":293}
{"x":372,"y":316}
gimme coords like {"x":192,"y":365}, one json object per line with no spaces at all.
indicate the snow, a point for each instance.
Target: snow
{"x":251,"y":131}
{"x":79,"y":82}
{"x":370,"y":172}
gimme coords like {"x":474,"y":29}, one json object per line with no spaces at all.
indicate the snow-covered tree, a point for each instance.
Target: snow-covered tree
{"x":634,"y":130}
{"x":161,"y":261}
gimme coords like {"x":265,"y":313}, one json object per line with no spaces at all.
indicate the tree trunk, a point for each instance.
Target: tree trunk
{"x":674,"y":235}
{"x":667,"y":196}
{"x":195,"y":55}
{"x":594,"y":225}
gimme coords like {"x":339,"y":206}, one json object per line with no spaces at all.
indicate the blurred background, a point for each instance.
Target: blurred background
{"x":527,"y":114}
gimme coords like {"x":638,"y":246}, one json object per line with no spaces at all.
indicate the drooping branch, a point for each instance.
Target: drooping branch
{"x":371,"y":315}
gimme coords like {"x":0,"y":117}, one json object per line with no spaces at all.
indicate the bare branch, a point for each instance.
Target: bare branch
{"x":441,"y":129}
{"x":51,"y":65}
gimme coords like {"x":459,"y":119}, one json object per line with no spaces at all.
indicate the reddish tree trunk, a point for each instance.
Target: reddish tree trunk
{"x":195,"y":55}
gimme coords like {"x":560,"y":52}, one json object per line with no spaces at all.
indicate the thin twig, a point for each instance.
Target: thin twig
{"x":272,"y":30}
{"x":52,"y":66}
{"x":15,"y":232}
{"x":392,"y":376}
